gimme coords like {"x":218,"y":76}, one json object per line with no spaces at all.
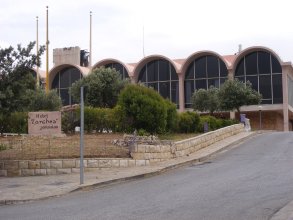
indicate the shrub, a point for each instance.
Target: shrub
{"x":17,"y":122}
{"x":214,"y":123}
{"x":172,"y":117}
{"x":188,"y":122}
{"x":143,"y":108}
{"x":69,"y":120}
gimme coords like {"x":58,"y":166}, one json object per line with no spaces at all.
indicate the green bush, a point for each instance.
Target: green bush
{"x":69,"y":120}
{"x":188,"y":122}
{"x":214,"y":123}
{"x":143,"y":108}
{"x":17,"y":123}
{"x":172,"y":117}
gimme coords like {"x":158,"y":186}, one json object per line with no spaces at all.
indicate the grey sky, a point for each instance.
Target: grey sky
{"x":175,"y":29}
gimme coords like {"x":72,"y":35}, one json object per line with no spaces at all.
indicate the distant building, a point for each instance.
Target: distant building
{"x":177,"y":79}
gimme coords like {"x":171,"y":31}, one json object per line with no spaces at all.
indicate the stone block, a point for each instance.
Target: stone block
{"x":140,"y":163}
{"x":77,"y":162}
{"x":23,"y":164}
{"x":75,"y":170}
{"x":64,"y":171}
{"x":40,"y":172}
{"x":165,"y":148}
{"x":3,"y":172}
{"x":115,"y":163}
{"x":155,"y":160}
{"x":123,"y":163}
{"x":93,"y":163}
{"x":131,"y":163}
{"x":141,"y":148}
{"x":27,"y":172}
{"x":68,"y":163}
{"x":11,"y":165}
{"x":87,"y":169}
{"x":138,"y":156}
{"x":105,"y":163}
{"x":11,"y":173}
{"x":147,"y":162}
{"x":154,"y":149}
{"x":1,"y":165}
{"x":51,"y":171}
{"x":34,"y":164}
{"x":45,"y":164}
{"x":57,"y":164}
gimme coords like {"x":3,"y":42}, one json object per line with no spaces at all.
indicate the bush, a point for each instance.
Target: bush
{"x":69,"y":120}
{"x":214,"y":123}
{"x":172,"y":117}
{"x":17,"y":123}
{"x":143,"y":108}
{"x":188,"y":122}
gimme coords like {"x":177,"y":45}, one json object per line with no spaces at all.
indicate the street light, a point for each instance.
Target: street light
{"x":259,"y":110}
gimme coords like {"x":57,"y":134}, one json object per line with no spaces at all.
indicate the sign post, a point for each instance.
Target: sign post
{"x":81,"y":133}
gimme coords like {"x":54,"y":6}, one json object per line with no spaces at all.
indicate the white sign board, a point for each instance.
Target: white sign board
{"x":44,"y":123}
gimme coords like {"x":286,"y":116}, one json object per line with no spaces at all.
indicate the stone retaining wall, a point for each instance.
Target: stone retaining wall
{"x":62,"y":166}
{"x":160,"y":152}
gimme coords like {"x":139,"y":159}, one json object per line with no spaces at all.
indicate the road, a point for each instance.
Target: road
{"x":250,"y":181}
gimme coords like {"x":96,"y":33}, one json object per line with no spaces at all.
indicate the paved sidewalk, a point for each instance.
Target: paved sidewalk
{"x":23,"y":189}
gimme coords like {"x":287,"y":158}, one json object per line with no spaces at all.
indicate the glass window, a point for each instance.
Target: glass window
{"x":165,"y":89}
{"x":153,"y":85}
{"x":212,"y":66}
{"x":174,"y":75}
{"x":190,"y":72}
{"x":240,"y":68}
{"x":277,"y":89}
{"x":200,"y":68}
{"x":251,"y":64}
{"x":201,"y":84}
{"x":276,"y":67}
{"x":142,"y":75}
{"x":223,"y":69}
{"x":264,"y":62}
{"x":214,"y":83}
{"x":254,"y":81}
{"x":65,"y":78}
{"x":64,"y":95}
{"x":164,"y":73}
{"x":175,"y":92}
{"x":189,"y":89}
{"x":75,"y":76}
{"x":265,"y":86}
{"x":55,"y":83}
{"x":152,"y":71}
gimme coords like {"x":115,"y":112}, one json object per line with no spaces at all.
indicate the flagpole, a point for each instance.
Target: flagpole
{"x":90,"y":55}
{"x":37,"y":46}
{"x":47,"y":52}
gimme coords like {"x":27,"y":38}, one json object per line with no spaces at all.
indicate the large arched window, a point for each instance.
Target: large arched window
{"x":63,"y":81}
{"x":264,"y":72}
{"x":202,"y":73}
{"x":162,"y":77}
{"x":120,"y":68}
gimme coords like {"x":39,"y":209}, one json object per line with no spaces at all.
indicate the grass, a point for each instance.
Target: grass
{"x":177,"y":136}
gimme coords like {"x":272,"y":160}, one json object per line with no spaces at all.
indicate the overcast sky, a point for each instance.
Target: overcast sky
{"x":175,"y":29}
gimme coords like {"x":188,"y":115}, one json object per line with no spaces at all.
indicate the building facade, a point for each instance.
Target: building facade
{"x":177,"y":80}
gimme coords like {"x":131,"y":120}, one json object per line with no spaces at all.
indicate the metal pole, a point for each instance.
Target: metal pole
{"x":90,"y":61}
{"x":47,"y":52}
{"x":37,"y":46}
{"x":81,"y":133}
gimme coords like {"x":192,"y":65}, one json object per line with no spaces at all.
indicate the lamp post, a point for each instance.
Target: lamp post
{"x":259,"y":110}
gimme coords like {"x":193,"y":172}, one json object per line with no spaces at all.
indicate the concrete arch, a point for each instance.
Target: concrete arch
{"x":150,"y":58}
{"x":249,"y":50}
{"x":104,"y":62}
{"x":53,"y":72}
{"x":199,"y":54}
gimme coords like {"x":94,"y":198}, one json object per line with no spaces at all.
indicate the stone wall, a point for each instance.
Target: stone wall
{"x":160,"y":152}
{"x":62,"y":166}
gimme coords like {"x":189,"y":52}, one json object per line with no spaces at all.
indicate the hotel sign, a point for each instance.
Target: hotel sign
{"x":44,"y":123}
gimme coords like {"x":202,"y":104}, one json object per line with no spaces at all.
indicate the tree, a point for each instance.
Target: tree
{"x":143,"y":108}
{"x":233,"y":94}
{"x":103,"y":86}
{"x":206,"y":100}
{"x":16,"y":79}
{"x":42,"y":101}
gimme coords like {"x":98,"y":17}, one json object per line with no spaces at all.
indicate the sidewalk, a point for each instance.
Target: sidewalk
{"x":23,"y":189}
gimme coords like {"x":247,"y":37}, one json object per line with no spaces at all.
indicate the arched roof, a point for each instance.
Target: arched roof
{"x":150,"y":58}
{"x":254,"y":49}
{"x":129,"y":68}
{"x":199,"y":54}
{"x":52,"y":73}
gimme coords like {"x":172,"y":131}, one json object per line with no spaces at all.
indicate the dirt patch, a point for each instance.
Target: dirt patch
{"x":32,"y":148}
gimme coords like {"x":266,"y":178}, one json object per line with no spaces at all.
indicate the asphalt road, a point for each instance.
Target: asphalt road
{"x":251,"y":181}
